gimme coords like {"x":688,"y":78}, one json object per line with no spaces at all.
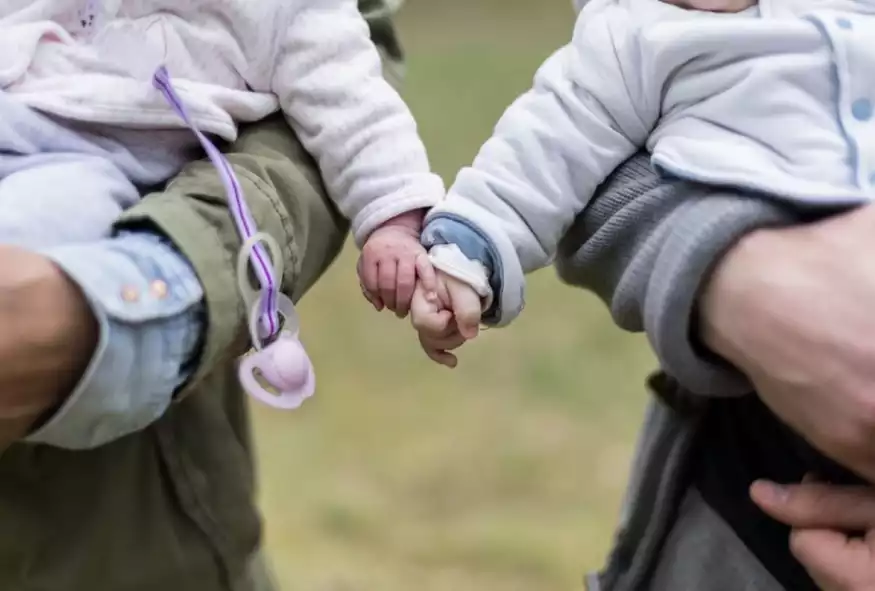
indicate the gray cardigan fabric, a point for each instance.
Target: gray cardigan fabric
{"x":645,"y":246}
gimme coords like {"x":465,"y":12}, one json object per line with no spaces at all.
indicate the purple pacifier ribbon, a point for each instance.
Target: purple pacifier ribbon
{"x":278,"y":372}
{"x":239,"y":209}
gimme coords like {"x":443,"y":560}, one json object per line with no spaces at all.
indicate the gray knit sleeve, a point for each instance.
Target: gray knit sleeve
{"x":645,"y":246}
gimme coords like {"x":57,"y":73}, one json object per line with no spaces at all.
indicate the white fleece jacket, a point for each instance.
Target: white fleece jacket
{"x":778,"y":100}
{"x":233,"y":61}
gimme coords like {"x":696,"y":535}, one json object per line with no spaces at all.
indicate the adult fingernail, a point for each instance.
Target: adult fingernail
{"x":771,"y":492}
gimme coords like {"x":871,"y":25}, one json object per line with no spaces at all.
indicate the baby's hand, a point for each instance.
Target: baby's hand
{"x":387,"y":265}
{"x":445,"y":312}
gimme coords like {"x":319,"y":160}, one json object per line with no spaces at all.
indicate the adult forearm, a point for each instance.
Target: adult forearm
{"x":48,"y":337}
{"x":734,"y":286}
{"x":791,"y":307}
{"x":148,"y":303}
{"x":284,"y":190}
{"x":737,"y":294}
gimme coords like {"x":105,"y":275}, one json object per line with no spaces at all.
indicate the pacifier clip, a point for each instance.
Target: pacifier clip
{"x":277,"y":371}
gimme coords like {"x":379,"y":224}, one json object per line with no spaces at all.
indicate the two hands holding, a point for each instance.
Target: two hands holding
{"x":396,"y":274}
{"x":48,"y":332}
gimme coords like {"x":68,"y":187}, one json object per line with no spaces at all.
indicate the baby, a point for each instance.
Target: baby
{"x":83,"y":130}
{"x":775,"y":98}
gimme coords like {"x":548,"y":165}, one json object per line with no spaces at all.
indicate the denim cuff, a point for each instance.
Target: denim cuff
{"x":149,"y":306}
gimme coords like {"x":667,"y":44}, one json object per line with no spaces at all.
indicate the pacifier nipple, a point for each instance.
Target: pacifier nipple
{"x":289,"y":368}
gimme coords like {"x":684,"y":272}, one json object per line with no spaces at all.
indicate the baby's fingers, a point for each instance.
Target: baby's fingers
{"x":427,"y":276}
{"x":405,"y":285}
{"x":425,"y":315}
{"x":438,"y":347}
{"x":439,"y":356}
{"x":369,"y":282}
{"x":466,"y":307}
{"x":387,"y":273}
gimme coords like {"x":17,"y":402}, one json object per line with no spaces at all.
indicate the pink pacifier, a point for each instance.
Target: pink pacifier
{"x":279,"y":373}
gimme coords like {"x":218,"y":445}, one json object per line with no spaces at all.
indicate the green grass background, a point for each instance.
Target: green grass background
{"x":503,"y":475}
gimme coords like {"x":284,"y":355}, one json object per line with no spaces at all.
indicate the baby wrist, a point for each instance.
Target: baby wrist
{"x":450,"y":260}
{"x":411,"y":220}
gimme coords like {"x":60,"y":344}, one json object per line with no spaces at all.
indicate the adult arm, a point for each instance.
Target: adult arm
{"x":182,"y":240}
{"x":163,"y":293}
{"x":740,"y":294}
{"x":148,"y":306}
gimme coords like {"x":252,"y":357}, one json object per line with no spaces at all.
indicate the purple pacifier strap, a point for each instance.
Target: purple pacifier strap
{"x":240,"y":211}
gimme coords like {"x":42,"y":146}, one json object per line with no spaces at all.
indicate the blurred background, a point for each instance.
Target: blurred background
{"x":503,"y":475}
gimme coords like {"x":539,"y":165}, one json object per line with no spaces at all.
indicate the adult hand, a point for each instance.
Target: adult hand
{"x":794,"y":309}
{"x":821,"y":515}
{"x":48,"y":337}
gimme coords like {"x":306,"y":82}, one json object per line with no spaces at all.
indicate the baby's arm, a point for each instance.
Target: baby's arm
{"x":591,"y":108}
{"x":329,"y":82}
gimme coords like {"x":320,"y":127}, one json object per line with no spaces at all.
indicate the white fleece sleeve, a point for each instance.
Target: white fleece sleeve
{"x":330,"y":85}
{"x":589,"y":110}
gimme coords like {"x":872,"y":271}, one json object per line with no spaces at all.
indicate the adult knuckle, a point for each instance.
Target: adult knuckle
{"x":809,"y":504}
